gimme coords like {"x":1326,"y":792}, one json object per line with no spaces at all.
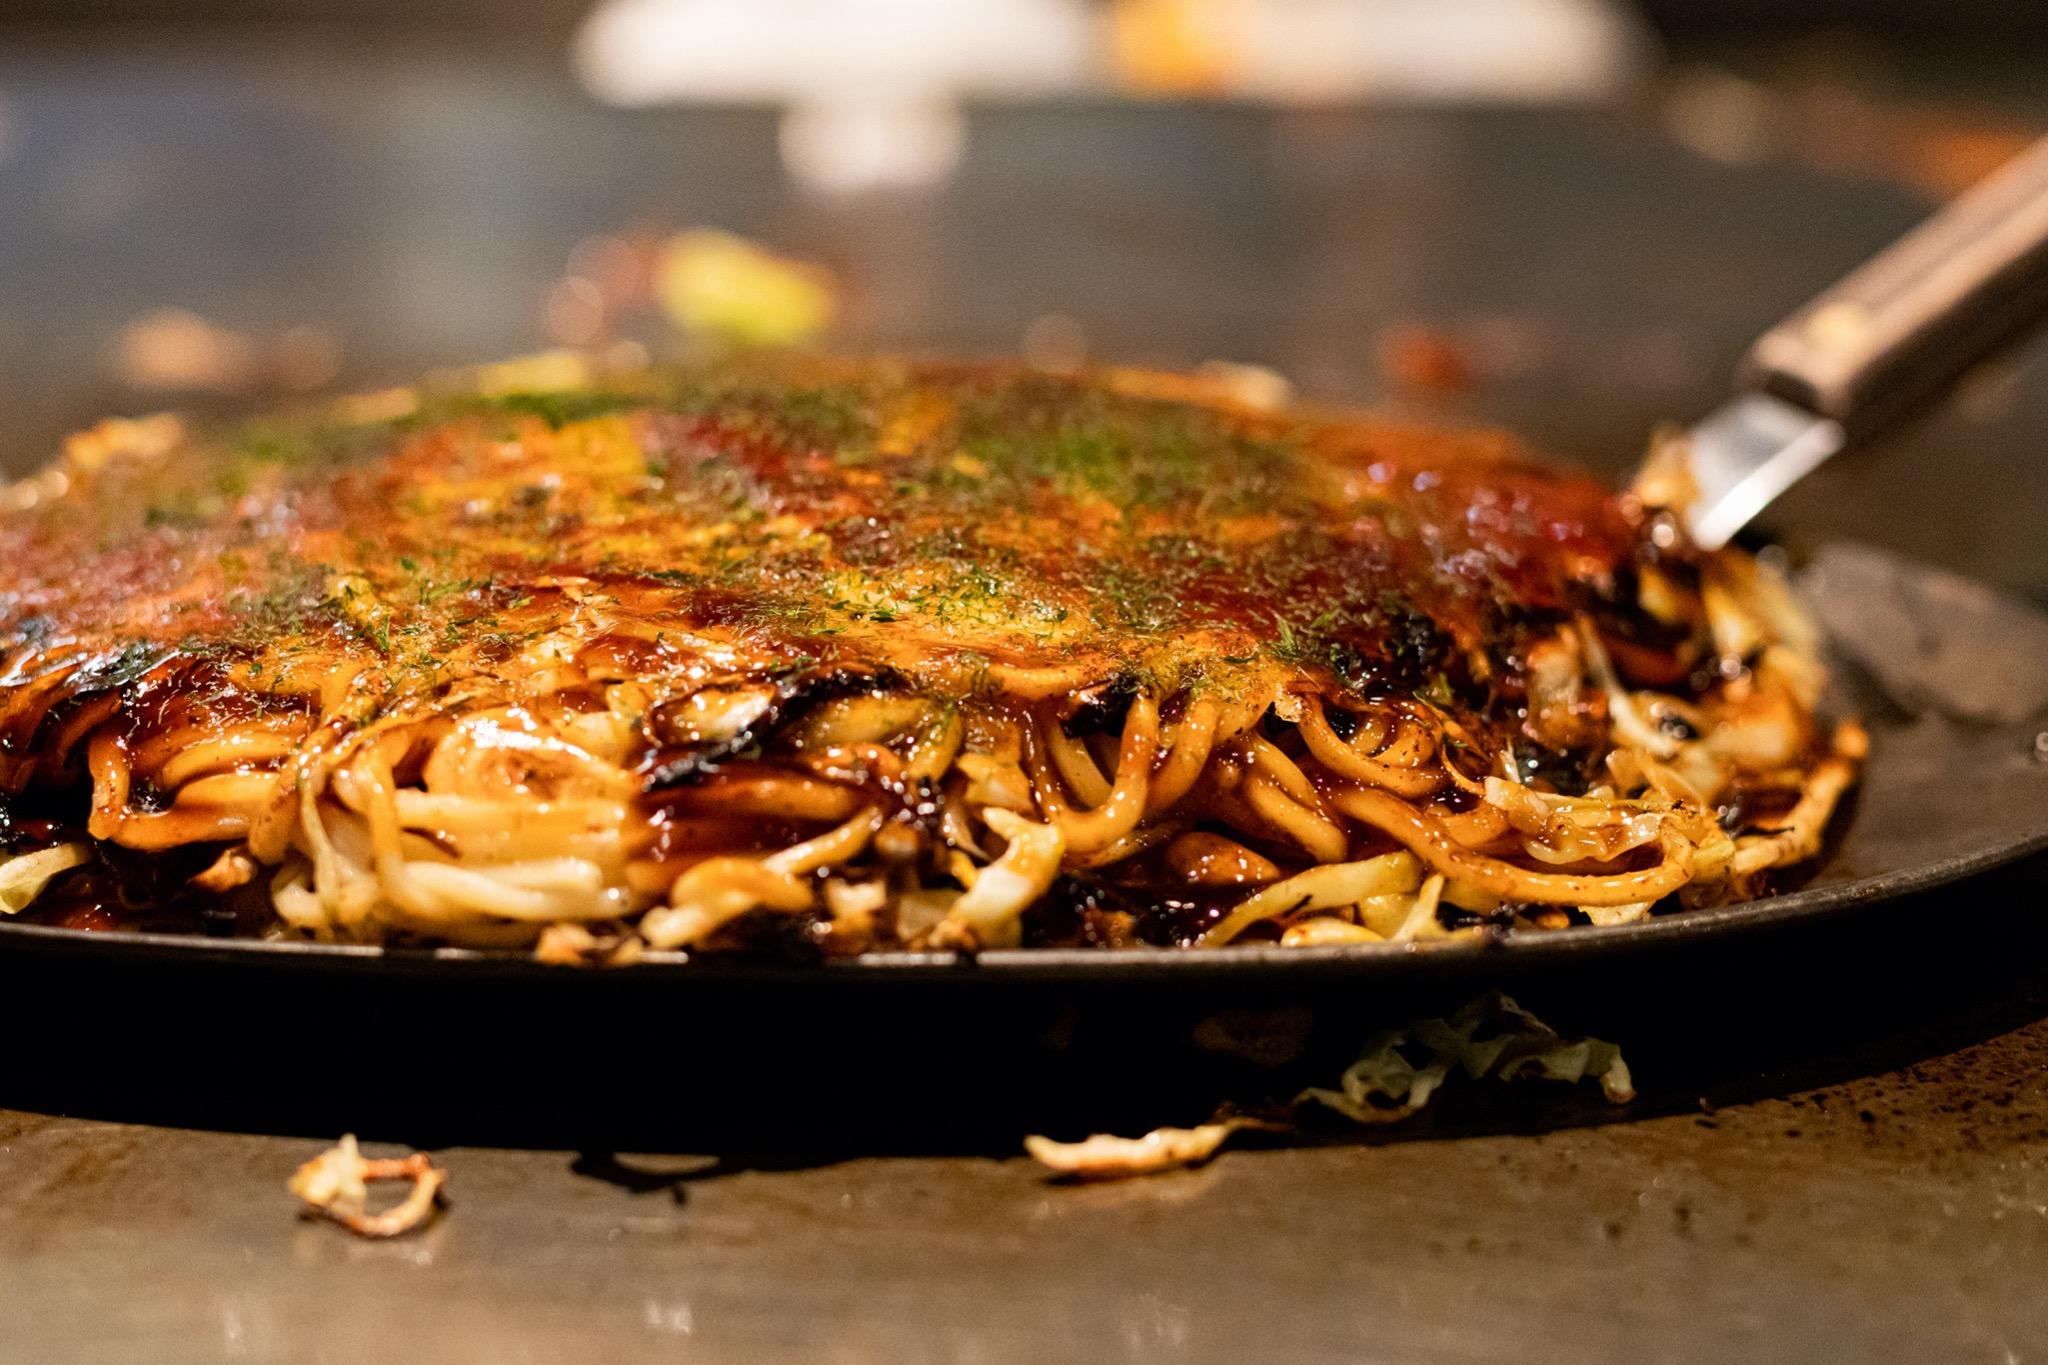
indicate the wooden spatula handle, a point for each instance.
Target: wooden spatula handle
{"x":1922,"y":311}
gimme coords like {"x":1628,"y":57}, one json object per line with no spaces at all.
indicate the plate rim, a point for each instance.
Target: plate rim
{"x":1024,"y":966}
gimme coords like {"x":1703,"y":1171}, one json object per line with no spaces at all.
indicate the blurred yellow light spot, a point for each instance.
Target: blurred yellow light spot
{"x":721,"y":285}
{"x":1175,"y":47}
{"x":539,"y":373}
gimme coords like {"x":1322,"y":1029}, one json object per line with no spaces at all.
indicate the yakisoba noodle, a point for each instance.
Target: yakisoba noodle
{"x":844,"y":656}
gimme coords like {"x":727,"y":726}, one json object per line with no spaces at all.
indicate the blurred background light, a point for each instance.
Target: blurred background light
{"x":716,"y":284}
{"x":872,"y":87}
{"x":841,"y":147}
{"x":647,"y":51}
{"x":871,"y":83}
{"x":1433,"y":50}
{"x":839,"y":52}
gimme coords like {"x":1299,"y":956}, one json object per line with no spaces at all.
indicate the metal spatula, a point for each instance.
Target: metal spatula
{"x":1883,"y":341}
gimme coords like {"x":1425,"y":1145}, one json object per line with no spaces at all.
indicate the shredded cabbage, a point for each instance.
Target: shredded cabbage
{"x":988,"y":912}
{"x":1401,"y":1069}
{"x":23,"y":878}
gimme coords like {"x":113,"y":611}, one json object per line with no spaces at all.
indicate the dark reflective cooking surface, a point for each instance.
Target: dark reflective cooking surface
{"x":1841,"y":1149}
